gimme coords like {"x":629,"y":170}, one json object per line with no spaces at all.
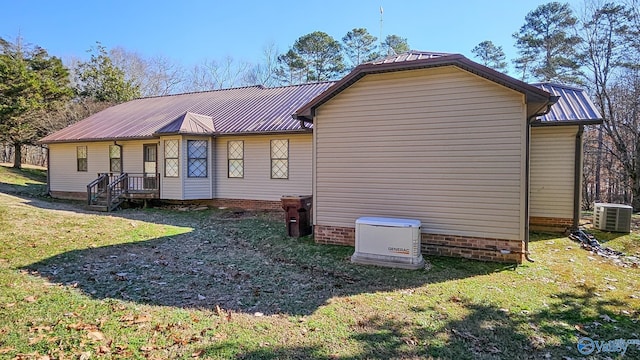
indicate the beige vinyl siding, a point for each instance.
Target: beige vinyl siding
{"x":132,"y":155}
{"x":257,"y":183}
{"x":171,"y":187}
{"x":440,"y":145}
{"x":62,"y":165}
{"x":552,"y":171}
{"x":197,"y":188}
{"x":64,"y":174}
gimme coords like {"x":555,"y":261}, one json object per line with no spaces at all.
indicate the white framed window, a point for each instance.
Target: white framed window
{"x":279,"y":159}
{"x":197,"y":151}
{"x":171,"y":158}
{"x":81,"y":156}
{"x":115,"y":159}
{"x":235,"y":159}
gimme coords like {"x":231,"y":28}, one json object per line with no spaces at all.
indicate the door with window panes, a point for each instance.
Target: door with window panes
{"x":150,"y":181}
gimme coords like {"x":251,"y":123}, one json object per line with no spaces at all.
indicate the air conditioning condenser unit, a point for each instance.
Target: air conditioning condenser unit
{"x":388,"y":242}
{"x":612,"y":217}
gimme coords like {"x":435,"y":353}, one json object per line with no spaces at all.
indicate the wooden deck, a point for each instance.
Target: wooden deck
{"x":109,"y":190}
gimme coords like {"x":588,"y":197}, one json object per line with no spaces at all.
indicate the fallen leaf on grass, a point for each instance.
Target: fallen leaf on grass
{"x":197,"y":353}
{"x":82,"y":326}
{"x":147,"y":348}
{"x":8,"y":305}
{"x":410,"y":341}
{"x":6,"y":350}
{"x":607,"y":318}
{"x":127,"y":318}
{"x":30,"y":299}
{"x":142,"y":318}
{"x":85,"y":355}
{"x":103,"y":350}
{"x":35,"y":340}
{"x":95,"y":335}
{"x":581,"y":330}
{"x":39,"y":328}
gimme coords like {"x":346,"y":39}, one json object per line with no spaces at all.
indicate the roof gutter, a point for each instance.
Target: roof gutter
{"x":552,"y":100}
{"x":538,"y":123}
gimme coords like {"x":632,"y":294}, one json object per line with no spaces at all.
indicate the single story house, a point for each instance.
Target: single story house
{"x":235,"y":147}
{"x":478,"y":156}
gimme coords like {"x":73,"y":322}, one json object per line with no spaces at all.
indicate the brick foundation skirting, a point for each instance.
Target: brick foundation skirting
{"x":485,"y":249}
{"x":540,"y":223}
{"x":334,"y":235}
{"x":246,"y":204}
{"x":68,"y":195}
{"x":477,"y":248}
{"x":230,"y":203}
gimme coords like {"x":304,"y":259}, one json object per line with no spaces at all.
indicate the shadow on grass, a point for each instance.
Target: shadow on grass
{"x":37,"y":187}
{"x":31,"y":174}
{"x":243,"y":262}
{"x":543,"y":236}
{"x":486,"y":332}
{"x":605,"y":236}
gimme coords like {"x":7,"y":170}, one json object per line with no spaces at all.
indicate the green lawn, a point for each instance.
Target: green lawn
{"x":162,"y":283}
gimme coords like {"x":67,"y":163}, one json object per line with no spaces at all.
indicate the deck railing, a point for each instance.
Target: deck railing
{"x":96,"y":188}
{"x":112,"y":188}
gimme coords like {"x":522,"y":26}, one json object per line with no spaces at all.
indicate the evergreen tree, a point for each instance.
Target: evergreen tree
{"x":360,"y":46}
{"x":394,"y":44}
{"x":545,"y":44}
{"x":31,"y":83}
{"x":103,"y":81}
{"x":322,"y":56}
{"x":490,"y":55}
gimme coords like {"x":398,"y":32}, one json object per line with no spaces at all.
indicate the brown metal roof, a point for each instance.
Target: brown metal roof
{"x":253,"y":109}
{"x":573,"y":107}
{"x":410,"y":55}
{"x":189,"y":123}
{"x":420,"y":60}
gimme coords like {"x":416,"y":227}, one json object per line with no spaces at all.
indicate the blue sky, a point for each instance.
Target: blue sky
{"x":192,"y":30}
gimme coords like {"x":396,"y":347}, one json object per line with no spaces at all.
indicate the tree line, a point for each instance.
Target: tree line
{"x":40,"y":94}
{"x":597,"y":47}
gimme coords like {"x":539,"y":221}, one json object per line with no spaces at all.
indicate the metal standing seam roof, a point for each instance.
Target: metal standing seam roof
{"x":573,"y":107}
{"x":410,"y":55}
{"x":253,"y":109}
{"x":420,"y":60}
{"x":189,"y":123}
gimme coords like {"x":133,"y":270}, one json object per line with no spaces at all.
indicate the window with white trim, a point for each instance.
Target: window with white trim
{"x":81,"y":156}
{"x":279,"y":159}
{"x":197,"y":158}
{"x":171,"y":158}
{"x":235,"y":159}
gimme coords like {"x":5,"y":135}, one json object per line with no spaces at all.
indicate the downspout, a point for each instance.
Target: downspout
{"x":48,"y":172}
{"x":552,"y":101}
{"x":577,"y":175}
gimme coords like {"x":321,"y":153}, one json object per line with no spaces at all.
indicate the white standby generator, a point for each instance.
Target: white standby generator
{"x":388,"y":242}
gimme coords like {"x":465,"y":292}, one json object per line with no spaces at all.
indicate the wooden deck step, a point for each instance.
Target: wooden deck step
{"x":96,"y":207}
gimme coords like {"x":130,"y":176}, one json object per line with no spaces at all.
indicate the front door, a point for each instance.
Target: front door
{"x":150,"y":166}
